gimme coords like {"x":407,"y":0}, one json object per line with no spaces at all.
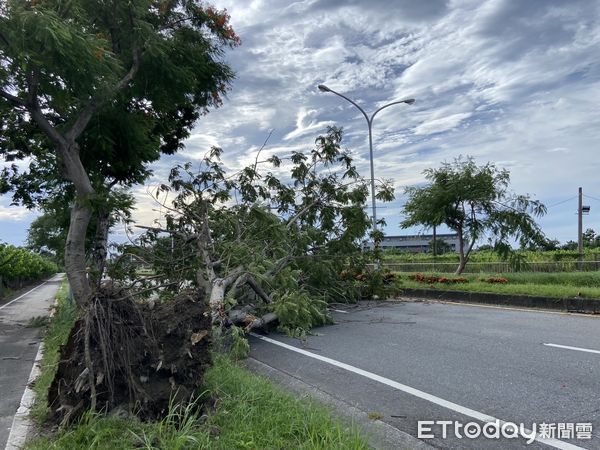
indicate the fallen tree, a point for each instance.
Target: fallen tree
{"x":137,"y":357}
{"x":267,"y":243}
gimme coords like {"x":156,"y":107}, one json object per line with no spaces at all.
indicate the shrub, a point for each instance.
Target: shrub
{"x":431,"y":279}
{"x":494,"y":280}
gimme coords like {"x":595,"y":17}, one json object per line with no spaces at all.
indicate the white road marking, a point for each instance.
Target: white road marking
{"x":579,"y":349}
{"x":416,"y":392}
{"x":340,"y":311}
{"x":23,"y":295}
{"x":21,"y":422}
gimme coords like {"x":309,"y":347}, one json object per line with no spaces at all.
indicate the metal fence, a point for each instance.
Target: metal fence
{"x":494,"y":267}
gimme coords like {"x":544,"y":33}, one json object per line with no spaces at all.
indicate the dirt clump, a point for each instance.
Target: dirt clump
{"x":138,"y":356}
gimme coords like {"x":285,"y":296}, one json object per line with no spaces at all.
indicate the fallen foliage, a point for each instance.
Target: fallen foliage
{"x":431,"y":279}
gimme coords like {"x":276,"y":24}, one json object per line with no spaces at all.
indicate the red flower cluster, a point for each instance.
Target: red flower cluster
{"x":430,"y":279}
{"x":493,"y":280}
{"x":387,"y":277}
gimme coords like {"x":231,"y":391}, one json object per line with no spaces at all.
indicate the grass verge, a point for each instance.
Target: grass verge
{"x":250,"y":413}
{"x":56,"y":334}
{"x":561,"y":284}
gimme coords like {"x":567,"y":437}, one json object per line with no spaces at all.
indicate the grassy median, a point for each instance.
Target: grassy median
{"x":248,"y":413}
{"x":560,"y":284}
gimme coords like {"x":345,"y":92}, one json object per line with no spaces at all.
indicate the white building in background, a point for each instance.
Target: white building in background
{"x":417,"y":243}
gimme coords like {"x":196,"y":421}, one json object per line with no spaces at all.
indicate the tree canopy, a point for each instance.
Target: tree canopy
{"x":92,"y":91}
{"x":475,"y":202}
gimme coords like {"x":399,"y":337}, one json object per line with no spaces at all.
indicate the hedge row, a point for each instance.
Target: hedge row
{"x":19,"y":265}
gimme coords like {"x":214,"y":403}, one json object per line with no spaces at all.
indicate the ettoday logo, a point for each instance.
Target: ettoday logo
{"x":430,"y":429}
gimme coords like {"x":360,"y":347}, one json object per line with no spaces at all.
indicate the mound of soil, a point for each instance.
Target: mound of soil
{"x":139,"y":357}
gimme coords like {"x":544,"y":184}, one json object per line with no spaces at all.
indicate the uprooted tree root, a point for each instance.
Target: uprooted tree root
{"x":122,"y":354}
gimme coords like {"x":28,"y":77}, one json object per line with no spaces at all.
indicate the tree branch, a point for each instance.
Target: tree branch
{"x":303,"y":211}
{"x":14,"y":100}
{"x":86,"y":114}
{"x":280,"y":265}
{"x":250,"y":281}
{"x":46,"y":126}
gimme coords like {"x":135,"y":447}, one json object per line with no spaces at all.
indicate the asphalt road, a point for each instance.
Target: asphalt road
{"x":19,"y":345}
{"x":432,"y":361}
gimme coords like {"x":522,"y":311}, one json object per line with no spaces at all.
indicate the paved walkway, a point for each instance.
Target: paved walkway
{"x":19,"y":346}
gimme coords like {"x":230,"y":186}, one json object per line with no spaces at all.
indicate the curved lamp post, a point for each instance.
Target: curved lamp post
{"x":408,"y":101}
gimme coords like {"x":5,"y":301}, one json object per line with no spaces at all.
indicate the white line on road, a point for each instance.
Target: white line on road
{"x":579,"y":349}
{"x":416,"y":392}
{"x":23,"y":295}
{"x":30,"y":291}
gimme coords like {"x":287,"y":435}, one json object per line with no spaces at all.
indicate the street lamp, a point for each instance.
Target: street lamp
{"x":408,"y":101}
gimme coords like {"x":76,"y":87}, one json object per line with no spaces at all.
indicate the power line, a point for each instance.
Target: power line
{"x":593,"y":198}
{"x":564,"y":201}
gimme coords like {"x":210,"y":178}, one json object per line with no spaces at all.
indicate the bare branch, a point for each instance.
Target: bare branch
{"x":259,"y":290}
{"x":303,"y":211}
{"x":14,"y":100}
{"x":260,"y":322}
{"x":46,"y":126}
{"x":186,"y":237}
{"x":261,"y":149}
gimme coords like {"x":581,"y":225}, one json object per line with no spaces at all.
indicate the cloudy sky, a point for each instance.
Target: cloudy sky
{"x":513,"y":82}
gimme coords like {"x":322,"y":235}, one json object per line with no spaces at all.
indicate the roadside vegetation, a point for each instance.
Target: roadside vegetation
{"x":248,"y":412}
{"x":19,"y":266}
{"x":65,"y":314}
{"x":486,"y":255}
{"x":240,"y":410}
{"x":562,"y":285}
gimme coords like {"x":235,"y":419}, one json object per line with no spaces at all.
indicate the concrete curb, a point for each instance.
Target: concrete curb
{"x":22,"y":423}
{"x":380,"y":434}
{"x":575,"y":305}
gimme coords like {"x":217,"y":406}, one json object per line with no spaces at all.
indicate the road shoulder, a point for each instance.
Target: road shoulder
{"x":380,"y":434}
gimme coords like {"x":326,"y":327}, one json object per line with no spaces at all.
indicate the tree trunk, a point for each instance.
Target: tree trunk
{"x":216,"y":299}
{"x":100,"y":248}
{"x":75,"y":261}
{"x":461,"y":254}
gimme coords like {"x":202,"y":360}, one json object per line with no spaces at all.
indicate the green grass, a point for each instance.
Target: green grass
{"x":250,"y":414}
{"x":391,"y":256}
{"x":56,"y":334}
{"x":561,"y":284}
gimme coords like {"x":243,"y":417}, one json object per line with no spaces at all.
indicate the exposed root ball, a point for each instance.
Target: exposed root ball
{"x":137,"y":357}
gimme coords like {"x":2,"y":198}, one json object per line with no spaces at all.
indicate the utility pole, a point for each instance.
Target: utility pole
{"x":580,"y":224}
{"x":581,"y":210}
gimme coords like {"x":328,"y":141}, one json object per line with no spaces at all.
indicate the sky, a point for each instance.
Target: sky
{"x":515,"y":83}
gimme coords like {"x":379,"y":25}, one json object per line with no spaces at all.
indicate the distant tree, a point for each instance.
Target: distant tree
{"x":569,"y":245}
{"x":440,"y":246}
{"x":48,"y":232}
{"x":544,"y":246}
{"x":93,"y":90}
{"x":474,"y":202}
{"x":591,"y":239}
{"x":550,"y":245}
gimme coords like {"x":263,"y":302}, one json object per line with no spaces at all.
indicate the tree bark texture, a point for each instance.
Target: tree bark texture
{"x":100,"y":248}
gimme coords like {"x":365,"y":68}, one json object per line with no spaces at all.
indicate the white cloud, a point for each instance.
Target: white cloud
{"x":510,"y":82}
{"x":14,"y":214}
